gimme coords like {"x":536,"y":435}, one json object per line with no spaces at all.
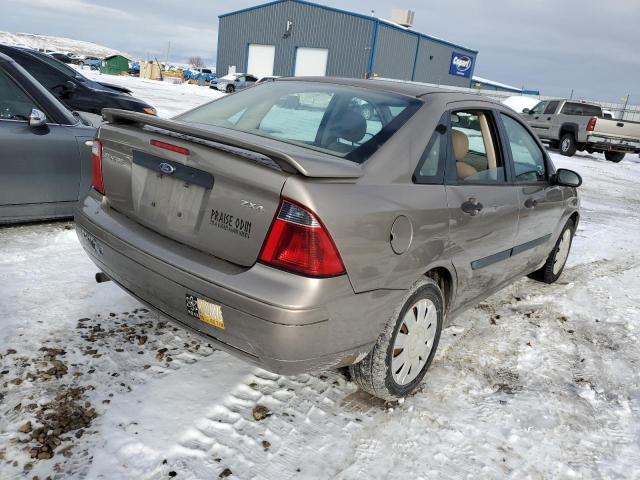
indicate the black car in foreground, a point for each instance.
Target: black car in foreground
{"x":71,"y":87}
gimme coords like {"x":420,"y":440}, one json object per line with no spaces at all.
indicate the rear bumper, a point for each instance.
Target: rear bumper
{"x":282,"y":322}
{"x":613,"y":144}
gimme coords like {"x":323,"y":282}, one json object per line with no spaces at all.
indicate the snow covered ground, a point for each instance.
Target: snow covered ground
{"x":167,"y":98}
{"x":536,"y":382}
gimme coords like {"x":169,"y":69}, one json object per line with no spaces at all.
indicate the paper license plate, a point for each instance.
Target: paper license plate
{"x":208,"y":312}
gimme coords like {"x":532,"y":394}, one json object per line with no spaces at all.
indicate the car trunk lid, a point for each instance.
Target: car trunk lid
{"x":209,"y":190}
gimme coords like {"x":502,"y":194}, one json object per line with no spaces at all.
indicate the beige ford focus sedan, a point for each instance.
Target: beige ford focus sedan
{"x":319,"y":223}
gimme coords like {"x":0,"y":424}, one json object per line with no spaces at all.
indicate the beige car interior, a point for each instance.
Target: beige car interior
{"x":470,"y":163}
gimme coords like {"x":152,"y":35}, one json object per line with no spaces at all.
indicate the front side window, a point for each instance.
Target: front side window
{"x":473,"y":140}
{"x":528,"y":159}
{"x":340,"y":120}
{"x":14,"y":103}
{"x":539,"y":108}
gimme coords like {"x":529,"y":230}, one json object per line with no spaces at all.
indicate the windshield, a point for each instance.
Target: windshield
{"x":347,"y":122}
{"x":61,"y":67}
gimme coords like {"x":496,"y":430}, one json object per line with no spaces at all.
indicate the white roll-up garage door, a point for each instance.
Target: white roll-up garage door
{"x":260,"y":61}
{"x":311,"y":62}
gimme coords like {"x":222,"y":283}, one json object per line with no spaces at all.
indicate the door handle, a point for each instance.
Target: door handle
{"x":549,"y":118}
{"x":530,"y":203}
{"x":472,"y":207}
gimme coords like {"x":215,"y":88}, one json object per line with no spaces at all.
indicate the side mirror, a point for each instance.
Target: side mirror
{"x":567,"y":178}
{"x":37,"y":118}
{"x":526,"y":110}
{"x":70,"y":86}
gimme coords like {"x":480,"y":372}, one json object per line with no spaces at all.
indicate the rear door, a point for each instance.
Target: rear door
{"x":40,"y":165}
{"x":541,"y":204}
{"x":482,"y":203}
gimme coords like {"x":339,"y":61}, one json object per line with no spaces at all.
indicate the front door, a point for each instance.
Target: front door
{"x":541,"y":204}
{"x":37,"y":165}
{"x":483,"y":205}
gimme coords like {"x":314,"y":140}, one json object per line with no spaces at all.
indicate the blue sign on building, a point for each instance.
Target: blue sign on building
{"x":460,"y":65}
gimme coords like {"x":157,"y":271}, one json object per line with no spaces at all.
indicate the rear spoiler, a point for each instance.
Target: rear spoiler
{"x":308,"y":164}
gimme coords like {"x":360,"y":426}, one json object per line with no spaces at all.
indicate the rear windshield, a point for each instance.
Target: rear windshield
{"x":574,"y":108}
{"x":348,"y":122}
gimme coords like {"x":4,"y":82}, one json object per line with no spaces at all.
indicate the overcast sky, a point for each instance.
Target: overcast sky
{"x":592,"y":46}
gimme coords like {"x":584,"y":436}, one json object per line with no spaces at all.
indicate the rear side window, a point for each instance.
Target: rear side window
{"x":344,"y":121}
{"x":473,"y":140}
{"x":583,"y":109}
{"x":528,"y":159}
{"x":551,"y":107}
{"x":430,"y":168}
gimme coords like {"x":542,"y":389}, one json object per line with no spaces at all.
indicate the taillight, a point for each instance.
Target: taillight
{"x":96,"y":166}
{"x":591,"y":124}
{"x":299,"y":242}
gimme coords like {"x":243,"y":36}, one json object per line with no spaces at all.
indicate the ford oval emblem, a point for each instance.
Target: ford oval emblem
{"x":167,"y":168}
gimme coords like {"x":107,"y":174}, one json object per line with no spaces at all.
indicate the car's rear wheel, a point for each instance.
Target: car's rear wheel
{"x":405,"y":349}
{"x":568,"y":145}
{"x":230,"y":89}
{"x":615,"y":157}
{"x":557,"y":259}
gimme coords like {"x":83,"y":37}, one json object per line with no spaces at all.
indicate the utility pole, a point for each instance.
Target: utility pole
{"x":571,"y":96}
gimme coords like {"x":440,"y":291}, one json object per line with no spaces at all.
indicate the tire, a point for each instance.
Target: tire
{"x":615,"y":157}
{"x":568,"y":145}
{"x":230,"y":89}
{"x":375,"y":373}
{"x":557,"y":259}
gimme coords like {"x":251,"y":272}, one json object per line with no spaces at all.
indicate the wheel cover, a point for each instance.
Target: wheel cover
{"x":563,"y":251}
{"x":414,"y":341}
{"x":565,"y":145}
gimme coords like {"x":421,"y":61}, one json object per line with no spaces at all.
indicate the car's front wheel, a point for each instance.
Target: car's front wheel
{"x":405,"y":349}
{"x":230,"y":89}
{"x":557,"y":259}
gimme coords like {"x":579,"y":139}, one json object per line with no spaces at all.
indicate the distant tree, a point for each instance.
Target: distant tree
{"x":196,"y":61}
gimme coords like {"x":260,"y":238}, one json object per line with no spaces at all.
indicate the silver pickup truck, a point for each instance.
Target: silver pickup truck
{"x":575,"y":125}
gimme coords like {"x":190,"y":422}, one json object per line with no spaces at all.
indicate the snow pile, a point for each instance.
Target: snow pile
{"x":58,"y":44}
{"x":520,"y":102}
{"x":168,"y":98}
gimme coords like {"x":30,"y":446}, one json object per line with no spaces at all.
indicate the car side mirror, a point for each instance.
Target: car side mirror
{"x":70,"y":86}
{"x":37,"y":118}
{"x":526,"y":110}
{"x":567,"y":178}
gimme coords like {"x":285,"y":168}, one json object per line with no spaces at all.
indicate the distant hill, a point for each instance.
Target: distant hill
{"x":59,"y":44}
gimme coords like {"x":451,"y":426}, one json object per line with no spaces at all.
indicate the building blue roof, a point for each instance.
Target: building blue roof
{"x":358,"y":15}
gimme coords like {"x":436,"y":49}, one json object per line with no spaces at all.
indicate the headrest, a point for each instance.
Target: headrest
{"x":350,"y":126}
{"x":460,"y":144}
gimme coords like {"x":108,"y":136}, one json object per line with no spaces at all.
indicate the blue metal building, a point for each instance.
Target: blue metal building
{"x":296,"y":37}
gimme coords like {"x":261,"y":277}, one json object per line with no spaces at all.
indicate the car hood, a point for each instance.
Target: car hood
{"x":114,"y":87}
